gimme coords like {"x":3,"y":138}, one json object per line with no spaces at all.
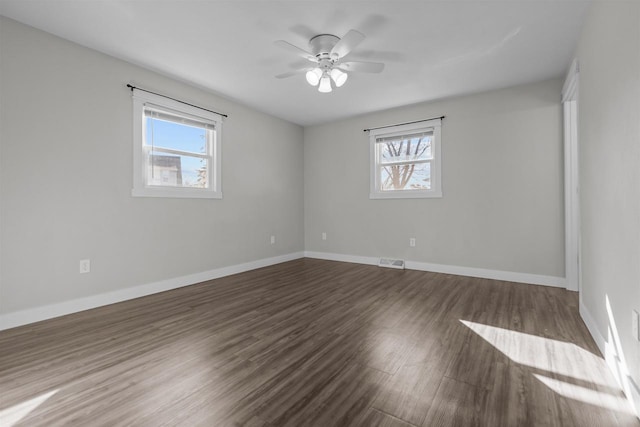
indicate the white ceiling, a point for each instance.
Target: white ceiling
{"x":432,"y":49}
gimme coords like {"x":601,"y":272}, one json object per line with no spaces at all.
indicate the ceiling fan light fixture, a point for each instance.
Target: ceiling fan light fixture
{"x":325,"y":84}
{"x":313,"y":76}
{"x":339,"y":77}
{"x":327,"y":52}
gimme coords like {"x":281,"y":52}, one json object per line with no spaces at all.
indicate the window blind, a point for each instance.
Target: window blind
{"x":405,"y":137}
{"x":181,"y":118}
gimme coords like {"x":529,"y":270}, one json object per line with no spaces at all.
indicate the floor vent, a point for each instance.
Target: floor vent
{"x":391,"y":263}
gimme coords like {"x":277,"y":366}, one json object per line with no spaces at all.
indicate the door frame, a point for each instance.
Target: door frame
{"x":571,"y":178}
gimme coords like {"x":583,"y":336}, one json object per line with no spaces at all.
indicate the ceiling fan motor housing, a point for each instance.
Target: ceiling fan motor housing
{"x":322,"y":44}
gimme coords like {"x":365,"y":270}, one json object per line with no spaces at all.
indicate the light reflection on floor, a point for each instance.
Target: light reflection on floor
{"x":13,"y":414}
{"x":552,"y":358}
{"x":586,"y":395}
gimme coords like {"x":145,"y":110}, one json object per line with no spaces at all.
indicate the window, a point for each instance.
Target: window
{"x":176,"y":149}
{"x":405,"y":161}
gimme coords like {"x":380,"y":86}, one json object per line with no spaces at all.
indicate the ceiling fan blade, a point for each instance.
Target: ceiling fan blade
{"x":292,"y":73}
{"x":295,"y":49}
{"x":362,"y":66}
{"x":346,"y":44}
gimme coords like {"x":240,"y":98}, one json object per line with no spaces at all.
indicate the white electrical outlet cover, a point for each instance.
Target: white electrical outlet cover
{"x":635,"y":325}
{"x":85,"y":266}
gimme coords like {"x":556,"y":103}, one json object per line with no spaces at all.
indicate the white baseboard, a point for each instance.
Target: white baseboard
{"x":509,"y":276}
{"x":631,"y":389}
{"x":591,"y":326}
{"x":355,"y":259}
{"x":23,"y":317}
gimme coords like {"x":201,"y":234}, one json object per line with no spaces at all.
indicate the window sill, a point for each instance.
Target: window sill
{"x":406,"y":195}
{"x":182,"y":193}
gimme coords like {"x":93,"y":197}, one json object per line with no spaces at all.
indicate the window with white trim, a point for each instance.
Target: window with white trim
{"x":405,"y":161}
{"x":176,"y":149}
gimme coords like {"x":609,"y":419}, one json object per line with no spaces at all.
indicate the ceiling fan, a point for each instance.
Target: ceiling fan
{"x":327,"y":51}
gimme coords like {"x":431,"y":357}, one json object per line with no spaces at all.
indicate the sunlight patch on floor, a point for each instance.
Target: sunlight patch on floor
{"x":13,"y":414}
{"x":546,"y":354}
{"x":587,"y":395}
{"x":556,"y":357}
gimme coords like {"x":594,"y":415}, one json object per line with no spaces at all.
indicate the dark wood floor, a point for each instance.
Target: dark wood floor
{"x":316,"y":343}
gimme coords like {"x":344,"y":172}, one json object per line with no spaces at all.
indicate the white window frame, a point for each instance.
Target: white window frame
{"x":375,"y":191}
{"x":140,"y":186}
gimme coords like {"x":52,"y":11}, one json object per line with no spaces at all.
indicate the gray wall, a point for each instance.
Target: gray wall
{"x":609,"y":143}
{"x":66,"y":179}
{"x":502,"y":180}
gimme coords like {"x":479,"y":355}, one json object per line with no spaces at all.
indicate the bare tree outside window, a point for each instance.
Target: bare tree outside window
{"x":405,"y":163}
{"x":405,"y":160}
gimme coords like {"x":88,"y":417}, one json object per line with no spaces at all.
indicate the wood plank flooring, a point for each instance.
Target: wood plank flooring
{"x":316,"y":343}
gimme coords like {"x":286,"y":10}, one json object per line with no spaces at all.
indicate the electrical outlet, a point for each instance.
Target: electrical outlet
{"x":412,"y":242}
{"x":273,"y":240}
{"x":324,"y":236}
{"x":635,"y":325}
{"x":85,"y":266}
